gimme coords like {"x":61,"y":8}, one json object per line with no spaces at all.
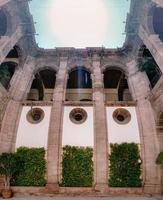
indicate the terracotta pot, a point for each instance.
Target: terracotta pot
{"x":6,"y":193}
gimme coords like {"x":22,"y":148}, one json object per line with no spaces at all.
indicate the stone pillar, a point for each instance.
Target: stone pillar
{"x":7,"y":43}
{"x":155,"y":46}
{"x":100,"y":130}
{"x":55,"y":129}
{"x":158,"y":2}
{"x":17,"y":93}
{"x":148,"y":137}
{"x":3,"y":2}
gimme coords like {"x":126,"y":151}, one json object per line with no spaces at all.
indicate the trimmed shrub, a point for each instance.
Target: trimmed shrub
{"x":159,"y":160}
{"x":125,"y":165}
{"x":77,"y":166}
{"x":33,"y":167}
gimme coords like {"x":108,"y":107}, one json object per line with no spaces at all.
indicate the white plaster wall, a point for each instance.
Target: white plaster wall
{"x":33,"y":135}
{"x":78,"y":134}
{"x":122,"y":133}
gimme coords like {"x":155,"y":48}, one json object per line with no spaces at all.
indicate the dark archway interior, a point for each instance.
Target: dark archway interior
{"x":45,"y":79}
{"x":115,"y":79}
{"x":158,"y":22}
{"x":160,"y":122}
{"x":13,"y":53}
{"x":79,"y":78}
{"x":150,"y":66}
{"x":3,"y":23}
{"x":7,"y":70}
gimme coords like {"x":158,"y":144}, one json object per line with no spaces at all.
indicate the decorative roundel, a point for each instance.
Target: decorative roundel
{"x":35,"y":115}
{"x":78,"y":115}
{"x":121,"y":116}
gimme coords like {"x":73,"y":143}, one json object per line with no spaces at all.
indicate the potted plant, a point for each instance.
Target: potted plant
{"x":8,"y":166}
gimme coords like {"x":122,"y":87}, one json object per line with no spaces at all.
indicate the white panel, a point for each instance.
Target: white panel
{"x":122,"y":133}
{"x":33,"y":135}
{"x":78,"y":134}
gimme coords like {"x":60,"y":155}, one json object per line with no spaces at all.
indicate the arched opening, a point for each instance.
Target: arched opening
{"x":13,"y":53}
{"x":3,"y":23}
{"x":160,"y":130}
{"x":79,"y":85}
{"x":7,"y":70}
{"x":158,"y":22}
{"x":148,"y":64}
{"x":160,"y":122}
{"x":116,"y":86}
{"x":43,"y":86}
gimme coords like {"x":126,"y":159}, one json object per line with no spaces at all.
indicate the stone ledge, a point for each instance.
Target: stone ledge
{"x":77,"y":191}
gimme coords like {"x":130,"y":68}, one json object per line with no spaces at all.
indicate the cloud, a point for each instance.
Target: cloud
{"x":78,"y":23}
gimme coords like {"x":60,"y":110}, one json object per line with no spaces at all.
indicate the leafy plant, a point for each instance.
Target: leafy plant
{"x":32,"y":171}
{"x":125,"y":165}
{"x":147,"y":64}
{"x":77,"y":166}
{"x":9,"y":165}
{"x":159,"y":159}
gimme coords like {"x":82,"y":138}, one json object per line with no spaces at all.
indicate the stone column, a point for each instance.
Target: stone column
{"x":17,"y":93}
{"x":158,"y":2}
{"x":55,"y":129}
{"x":7,"y":43}
{"x":147,"y":127}
{"x":100,"y":130}
{"x":154,"y":44}
{"x":3,"y":2}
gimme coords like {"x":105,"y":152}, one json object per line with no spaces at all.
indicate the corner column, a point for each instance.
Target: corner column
{"x":17,"y":93}
{"x":55,"y":129}
{"x":148,"y":137}
{"x":100,"y":130}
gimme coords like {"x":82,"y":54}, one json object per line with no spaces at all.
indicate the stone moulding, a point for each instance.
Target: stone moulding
{"x":78,"y":191}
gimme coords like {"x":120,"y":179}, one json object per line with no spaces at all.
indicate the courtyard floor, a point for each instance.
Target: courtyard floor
{"x":87,"y":198}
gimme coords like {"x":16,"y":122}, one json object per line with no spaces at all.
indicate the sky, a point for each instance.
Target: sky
{"x":79,"y":23}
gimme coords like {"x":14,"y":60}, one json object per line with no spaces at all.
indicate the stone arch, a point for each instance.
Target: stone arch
{"x":42,"y":65}
{"x":114,"y":64}
{"x":79,"y":84}
{"x":43,"y":85}
{"x":79,"y":77}
{"x":116,"y":85}
{"x":72,"y":65}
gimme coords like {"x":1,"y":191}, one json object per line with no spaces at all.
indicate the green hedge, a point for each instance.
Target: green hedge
{"x":33,"y":167}
{"x":159,"y":160}
{"x":125,"y":165}
{"x":77,"y":166}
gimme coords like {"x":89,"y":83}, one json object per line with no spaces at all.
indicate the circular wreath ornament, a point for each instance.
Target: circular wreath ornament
{"x":121,"y":116}
{"x":78,"y":115}
{"x":35,"y":115}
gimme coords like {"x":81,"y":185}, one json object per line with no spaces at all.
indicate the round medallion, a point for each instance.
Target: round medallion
{"x":35,"y":115}
{"x":78,"y":115}
{"x":121,"y":116}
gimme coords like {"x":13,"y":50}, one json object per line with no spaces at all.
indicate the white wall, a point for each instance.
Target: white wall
{"x":33,"y":135}
{"x":78,"y":134}
{"x":122,"y":133}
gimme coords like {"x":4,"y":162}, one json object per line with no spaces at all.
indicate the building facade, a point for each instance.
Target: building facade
{"x":88,"y":89}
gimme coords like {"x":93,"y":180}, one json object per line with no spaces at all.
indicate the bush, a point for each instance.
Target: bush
{"x":125,"y":165}
{"x":159,"y":159}
{"x":33,"y":167}
{"x":77,"y":166}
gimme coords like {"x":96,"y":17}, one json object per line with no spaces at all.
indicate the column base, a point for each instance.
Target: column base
{"x":153,"y":189}
{"x":101,"y":187}
{"x":52,"y":188}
